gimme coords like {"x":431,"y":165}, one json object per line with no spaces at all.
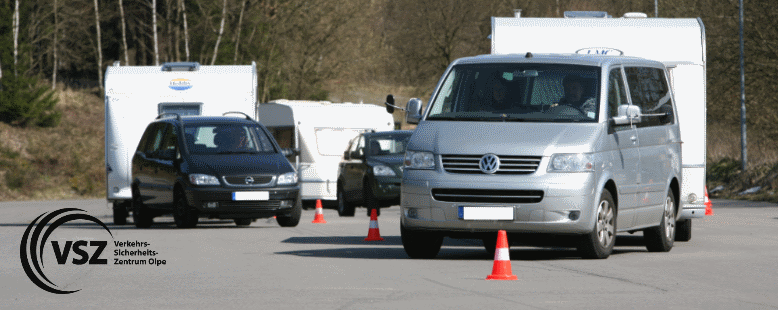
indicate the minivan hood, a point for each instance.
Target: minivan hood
{"x":240,"y":164}
{"x":505,"y":138}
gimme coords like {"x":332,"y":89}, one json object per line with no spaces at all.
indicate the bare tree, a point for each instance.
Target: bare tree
{"x":16,"y":34}
{"x":186,"y":30}
{"x":154,"y":27}
{"x":99,"y":48}
{"x":55,"y":56}
{"x":221,"y":31}
{"x":124,"y":34}
{"x":237,"y":36}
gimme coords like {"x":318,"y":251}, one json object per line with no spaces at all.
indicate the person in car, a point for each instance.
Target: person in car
{"x":575,"y":95}
{"x":231,"y":139}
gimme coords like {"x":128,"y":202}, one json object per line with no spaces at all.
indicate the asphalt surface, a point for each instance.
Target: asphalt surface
{"x":730,"y":263}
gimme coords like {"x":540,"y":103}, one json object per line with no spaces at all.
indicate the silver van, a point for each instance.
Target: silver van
{"x":569,"y":148}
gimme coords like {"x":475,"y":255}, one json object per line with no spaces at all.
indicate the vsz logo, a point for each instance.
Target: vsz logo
{"x":34,"y":241}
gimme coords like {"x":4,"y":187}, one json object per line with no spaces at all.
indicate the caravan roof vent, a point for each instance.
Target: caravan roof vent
{"x":586,"y":14}
{"x":181,"y":66}
{"x":635,"y":15}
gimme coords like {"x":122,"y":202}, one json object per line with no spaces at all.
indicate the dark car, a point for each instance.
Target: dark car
{"x":212,"y":167}
{"x":371,"y":171}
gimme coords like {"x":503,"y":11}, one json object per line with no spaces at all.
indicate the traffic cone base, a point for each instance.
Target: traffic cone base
{"x":319,"y":218}
{"x":373,"y":234}
{"x":502,"y":261}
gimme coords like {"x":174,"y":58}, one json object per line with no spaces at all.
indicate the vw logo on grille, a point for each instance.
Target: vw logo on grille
{"x":249,"y":180}
{"x":489,"y":163}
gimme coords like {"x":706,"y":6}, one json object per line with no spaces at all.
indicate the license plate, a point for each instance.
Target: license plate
{"x":241,"y":196}
{"x":486,"y":213}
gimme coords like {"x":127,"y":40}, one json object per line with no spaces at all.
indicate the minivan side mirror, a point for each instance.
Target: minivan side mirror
{"x":167,"y":154}
{"x":627,"y":114}
{"x":356,"y":155}
{"x":413,"y":111}
{"x":290,"y":151}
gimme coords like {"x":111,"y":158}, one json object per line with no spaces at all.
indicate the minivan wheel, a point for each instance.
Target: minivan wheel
{"x":598,"y":244}
{"x":344,"y":208}
{"x":184,"y":215}
{"x":141,"y":214}
{"x":420,"y":244}
{"x":120,"y":212}
{"x":490,"y":242}
{"x":371,"y":202}
{"x":661,"y":238}
{"x":293,"y":218}
{"x":242,"y":222}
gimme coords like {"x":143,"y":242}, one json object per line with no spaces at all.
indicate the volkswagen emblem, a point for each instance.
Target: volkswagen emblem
{"x":249,"y":180}
{"x":489,"y":163}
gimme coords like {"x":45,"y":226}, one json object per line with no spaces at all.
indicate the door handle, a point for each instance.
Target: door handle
{"x":634,"y":139}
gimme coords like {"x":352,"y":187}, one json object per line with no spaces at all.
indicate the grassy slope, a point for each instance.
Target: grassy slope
{"x":67,"y":162}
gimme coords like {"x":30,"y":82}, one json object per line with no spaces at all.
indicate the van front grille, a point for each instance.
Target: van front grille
{"x":249,"y":180}
{"x":487,"y":195}
{"x":509,"y":164}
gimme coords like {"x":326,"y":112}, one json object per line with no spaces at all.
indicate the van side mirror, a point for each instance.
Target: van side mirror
{"x":167,"y":154}
{"x":290,"y":151}
{"x":356,"y":155}
{"x":627,"y":114}
{"x":413,"y":111}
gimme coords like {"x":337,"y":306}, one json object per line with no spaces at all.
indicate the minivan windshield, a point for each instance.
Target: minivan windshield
{"x":230,"y":138}
{"x":518,"y":92}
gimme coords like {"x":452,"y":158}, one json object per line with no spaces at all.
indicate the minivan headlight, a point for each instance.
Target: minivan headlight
{"x":288,"y":178}
{"x":419,"y":160}
{"x":571,"y":163}
{"x":203,"y":179}
{"x":383,"y":171}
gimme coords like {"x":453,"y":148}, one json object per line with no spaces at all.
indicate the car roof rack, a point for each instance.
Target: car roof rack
{"x":236,"y":112}
{"x":168,"y":114}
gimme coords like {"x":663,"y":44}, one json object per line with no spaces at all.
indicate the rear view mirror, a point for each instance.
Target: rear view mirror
{"x":413,"y":110}
{"x":627,"y":114}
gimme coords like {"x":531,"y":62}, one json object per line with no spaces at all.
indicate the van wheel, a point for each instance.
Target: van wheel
{"x":293,"y":218}
{"x":184,"y":215}
{"x":242,"y":222}
{"x":120,"y":212}
{"x":420,"y":244}
{"x":141,"y":214}
{"x":598,"y":244}
{"x":344,"y":208}
{"x":683,"y":230}
{"x":490,"y":242}
{"x":660,"y":238}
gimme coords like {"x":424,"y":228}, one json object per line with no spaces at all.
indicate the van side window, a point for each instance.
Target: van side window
{"x":167,"y":148}
{"x":617,"y":95}
{"x":649,"y":90}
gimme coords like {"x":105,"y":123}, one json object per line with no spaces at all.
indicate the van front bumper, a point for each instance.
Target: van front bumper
{"x":218,"y":202}
{"x":567,"y":204}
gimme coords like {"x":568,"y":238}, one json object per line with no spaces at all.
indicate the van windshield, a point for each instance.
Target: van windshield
{"x":212,"y":139}
{"x":519,"y":92}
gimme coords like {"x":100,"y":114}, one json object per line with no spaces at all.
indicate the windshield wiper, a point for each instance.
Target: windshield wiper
{"x":237,"y":152}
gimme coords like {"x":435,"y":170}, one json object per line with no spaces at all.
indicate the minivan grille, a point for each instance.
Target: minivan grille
{"x":487,"y":195}
{"x":256,"y":180}
{"x":508,"y":164}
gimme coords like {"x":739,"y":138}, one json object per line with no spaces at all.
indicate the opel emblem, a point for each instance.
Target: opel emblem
{"x":249,"y":180}
{"x":489,"y":163}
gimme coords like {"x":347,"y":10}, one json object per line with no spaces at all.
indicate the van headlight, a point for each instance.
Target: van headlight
{"x":571,"y":163}
{"x":383,"y":171}
{"x":288,"y":178}
{"x":203,"y":179}
{"x":419,"y":160}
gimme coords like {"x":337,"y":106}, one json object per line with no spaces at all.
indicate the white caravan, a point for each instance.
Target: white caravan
{"x":320,"y":131}
{"x":679,"y":43}
{"x":136,"y":95}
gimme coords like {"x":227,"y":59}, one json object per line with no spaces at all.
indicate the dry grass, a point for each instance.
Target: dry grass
{"x":63,"y":162}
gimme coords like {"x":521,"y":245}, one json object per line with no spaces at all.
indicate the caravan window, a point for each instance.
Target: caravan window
{"x":194,"y":108}
{"x":517,"y":92}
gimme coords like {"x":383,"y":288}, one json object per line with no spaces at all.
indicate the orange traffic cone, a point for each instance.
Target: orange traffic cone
{"x":373,"y":234}
{"x":319,"y":218}
{"x":708,"y":204}
{"x":502,"y":262}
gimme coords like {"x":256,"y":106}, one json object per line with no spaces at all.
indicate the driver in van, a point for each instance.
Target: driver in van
{"x":575,"y":97}
{"x":497,"y":94}
{"x":230,"y":139}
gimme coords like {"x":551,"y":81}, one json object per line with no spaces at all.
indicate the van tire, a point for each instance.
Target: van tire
{"x":490,"y":243}
{"x":242,"y":222}
{"x":683,"y":230}
{"x":293,"y":218}
{"x":420,"y":244}
{"x":141,"y":214}
{"x":344,"y":208}
{"x":120,"y":212}
{"x":371,"y":201}
{"x":661,"y":238}
{"x":183,"y":214}
{"x":598,"y":244}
